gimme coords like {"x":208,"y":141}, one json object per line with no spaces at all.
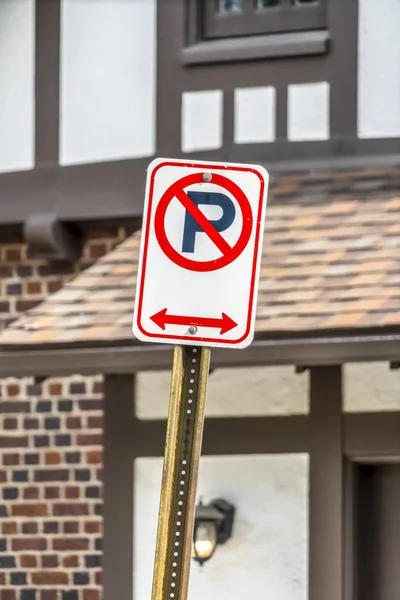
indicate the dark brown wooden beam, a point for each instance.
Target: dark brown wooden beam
{"x":119,"y":454}
{"x":226,"y":436}
{"x":47,"y":82}
{"x":110,"y":190}
{"x":372,"y":436}
{"x":324,"y":350}
{"x":326,"y":484}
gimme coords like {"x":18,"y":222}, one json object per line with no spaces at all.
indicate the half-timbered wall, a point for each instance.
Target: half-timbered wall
{"x":266,"y":475}
{"x":129,"y":82}
{"x":17,"y":72}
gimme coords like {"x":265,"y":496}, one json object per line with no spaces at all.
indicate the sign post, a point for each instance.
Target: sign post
{"x":197,"y":286}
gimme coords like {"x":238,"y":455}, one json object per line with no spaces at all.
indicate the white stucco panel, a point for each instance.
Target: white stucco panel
{"x":231,"y":392}
{"x":379,"y":69}
{"x":17,"y":81}
{"x":201,"y":120}
{"x":308,"y":112}
{"x":267,"y":555}
{"x":371,"y":387}
{"x":255,"y":115}
{"x":108,"y":80}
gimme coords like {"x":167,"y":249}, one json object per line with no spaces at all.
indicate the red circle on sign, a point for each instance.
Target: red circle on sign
{"x":177,"y":190}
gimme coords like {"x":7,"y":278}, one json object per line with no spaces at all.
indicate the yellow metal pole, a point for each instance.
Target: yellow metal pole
{"x":179,"y":481}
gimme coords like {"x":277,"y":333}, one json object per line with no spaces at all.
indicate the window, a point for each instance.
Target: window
{"x":230,"y":18}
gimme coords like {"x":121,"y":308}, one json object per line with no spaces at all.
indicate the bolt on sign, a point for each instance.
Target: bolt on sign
{"x":200,"y":255}
{"x":197,"y":284}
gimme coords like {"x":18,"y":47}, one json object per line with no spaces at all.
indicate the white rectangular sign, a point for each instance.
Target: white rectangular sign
{"x":203,"y":227}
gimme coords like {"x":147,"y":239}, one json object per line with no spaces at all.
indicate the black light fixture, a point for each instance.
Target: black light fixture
{"x":213,"y":526}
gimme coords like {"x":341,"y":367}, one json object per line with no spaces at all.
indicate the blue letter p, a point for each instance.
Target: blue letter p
{"x":191,"y":226}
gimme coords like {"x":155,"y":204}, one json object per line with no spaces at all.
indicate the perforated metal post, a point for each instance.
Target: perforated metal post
{"x":179,"y":481}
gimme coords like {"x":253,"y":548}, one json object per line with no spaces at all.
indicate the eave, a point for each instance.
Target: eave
{"x":302,"y":351}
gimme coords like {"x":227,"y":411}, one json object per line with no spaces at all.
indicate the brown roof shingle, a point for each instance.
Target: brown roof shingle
{"x":330,"y":260}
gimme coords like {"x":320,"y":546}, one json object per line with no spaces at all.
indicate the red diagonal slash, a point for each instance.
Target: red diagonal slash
{"x":204,"y":223}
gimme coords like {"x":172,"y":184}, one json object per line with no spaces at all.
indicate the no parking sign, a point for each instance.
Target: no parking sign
{"x":200,"y":253}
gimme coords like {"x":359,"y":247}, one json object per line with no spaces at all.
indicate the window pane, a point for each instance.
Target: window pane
{"x":267,"y":3}
{"x":231,"y":5}
{"x":305,"y":1}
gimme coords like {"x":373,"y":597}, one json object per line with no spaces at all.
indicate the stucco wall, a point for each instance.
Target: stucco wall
{"x":108,"y":58}
{"x":267,"y":555}
{"x":232,"y":392}
{"x":17,"y":72}
{"x":269,"y":548}
{"x":274,"y":391}
{"x":378,"y":69}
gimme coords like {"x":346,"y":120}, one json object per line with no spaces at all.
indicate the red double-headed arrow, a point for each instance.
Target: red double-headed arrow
{"x":225,"y":323}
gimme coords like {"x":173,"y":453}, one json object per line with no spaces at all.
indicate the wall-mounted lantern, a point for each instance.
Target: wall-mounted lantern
{"x":212,"y":526}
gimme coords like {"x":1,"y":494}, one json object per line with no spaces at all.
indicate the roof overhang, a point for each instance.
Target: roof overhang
{"x":301,"y":351}
{"x":115,"y":189}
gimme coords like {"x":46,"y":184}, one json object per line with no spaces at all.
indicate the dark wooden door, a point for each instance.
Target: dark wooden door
{"x":377,"y":549}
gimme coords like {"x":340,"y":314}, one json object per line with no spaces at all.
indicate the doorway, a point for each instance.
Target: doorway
{"x":377,"y":532}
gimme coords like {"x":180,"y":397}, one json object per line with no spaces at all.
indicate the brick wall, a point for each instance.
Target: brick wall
{"x":51,"y":452}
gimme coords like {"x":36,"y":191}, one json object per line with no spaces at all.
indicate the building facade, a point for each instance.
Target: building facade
{"x":303,"y":442}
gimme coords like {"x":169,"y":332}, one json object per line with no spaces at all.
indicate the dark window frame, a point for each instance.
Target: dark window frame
{"x":288,"y":17}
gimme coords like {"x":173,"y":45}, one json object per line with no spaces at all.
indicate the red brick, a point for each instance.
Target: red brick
{"x":92,"y":527}
{"x":95,"y":457}
{"x":91,"y":404}
{"x":24,"y":305}
{"x":28,"y":544}
{"x":52,"y":458}
{"x":50,"y":493}
{"x":70,"y":543}
{"x":51,"y":475}
{"x":98,"y":387}
{"x":54,"y":286}
{"x":72,"y":492}
{"x":5,"y":271}
{"x":31,"y":423}
{"x":14,"y":441}
{"x":71,"y":527}
{"x":55,"y":389}
{"x":10,"y":459}
{"x":49,"y":578}
{"x":101,"y":234}
{"x":34,"y":287}
{"x":49,"y":561}
{"x":98,"y":577}
{"x":13,"y":255}
{"x":28,"y":561}
{"x":95,"y":422}
{"x":91,"y":594}
{"x":70,"y":509}
{"x":89,"y":440}
{"x":9,"y":528}
{"x":10,"y":423}
{"x":29,"y":510}
{"x":31,"y":493}
{"x":74,"y":423}
{"x":29,"y":528}
{"x":3,"y":476}
{"x":13,"y":389}
{"x":2,"y":578}
{"x":7,"y":594}
{"x":97,"y":250}
{"x":70,"y":561}
{"x":49,"y":595}
{"x":14,"y":406}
